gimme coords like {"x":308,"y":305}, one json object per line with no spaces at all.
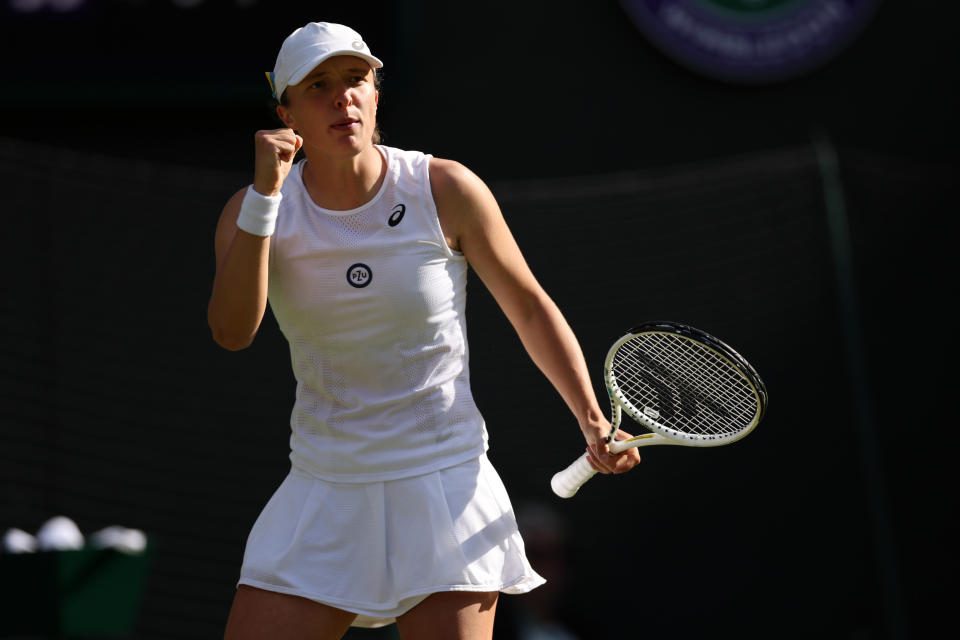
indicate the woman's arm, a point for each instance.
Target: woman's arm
{"x":473,"y":224}
{"x":239,"y":298}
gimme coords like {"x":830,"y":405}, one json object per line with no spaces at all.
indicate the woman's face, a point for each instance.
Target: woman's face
{"x":334,"y":108}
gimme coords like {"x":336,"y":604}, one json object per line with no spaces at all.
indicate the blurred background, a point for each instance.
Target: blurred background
{"x":793,"y":198}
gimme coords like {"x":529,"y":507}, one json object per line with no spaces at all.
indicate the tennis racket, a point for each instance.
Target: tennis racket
{"x":684,"y":385}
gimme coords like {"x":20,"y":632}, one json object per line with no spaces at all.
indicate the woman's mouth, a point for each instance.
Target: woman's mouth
{"x":347,"y":124}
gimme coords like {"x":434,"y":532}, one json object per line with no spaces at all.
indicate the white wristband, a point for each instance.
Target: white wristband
{"x":258,"y":213}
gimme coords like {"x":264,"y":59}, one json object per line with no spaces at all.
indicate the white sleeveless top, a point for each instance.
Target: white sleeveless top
{"x":372,"y":303}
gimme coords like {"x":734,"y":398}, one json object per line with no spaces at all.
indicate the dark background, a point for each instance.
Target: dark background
{"x":638,"y":190}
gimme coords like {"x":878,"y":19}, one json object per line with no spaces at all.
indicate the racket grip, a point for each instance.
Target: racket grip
{"x":567,"y":482}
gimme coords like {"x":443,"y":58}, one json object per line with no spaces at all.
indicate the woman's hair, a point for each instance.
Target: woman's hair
{"x":377,"y":84}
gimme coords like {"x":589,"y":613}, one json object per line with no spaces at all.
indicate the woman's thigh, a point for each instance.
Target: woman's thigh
{"x":257,"y":614}
{"x":451,"y":615}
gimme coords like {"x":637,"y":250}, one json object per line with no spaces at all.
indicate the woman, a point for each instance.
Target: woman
{"x":391,"y":510}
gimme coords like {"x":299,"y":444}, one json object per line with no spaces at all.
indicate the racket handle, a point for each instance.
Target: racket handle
{"x":567,"y":482}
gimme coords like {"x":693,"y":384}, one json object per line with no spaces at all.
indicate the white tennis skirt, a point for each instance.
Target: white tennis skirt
{"x":378,"y":549}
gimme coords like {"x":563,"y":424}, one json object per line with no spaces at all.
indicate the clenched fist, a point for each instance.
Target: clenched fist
{"x":275,"y":150}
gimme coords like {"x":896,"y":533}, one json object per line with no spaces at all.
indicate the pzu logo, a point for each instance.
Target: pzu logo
{"x":359,"y":275}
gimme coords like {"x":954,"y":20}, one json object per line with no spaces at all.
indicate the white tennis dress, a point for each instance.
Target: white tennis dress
{"x":391,"y":496}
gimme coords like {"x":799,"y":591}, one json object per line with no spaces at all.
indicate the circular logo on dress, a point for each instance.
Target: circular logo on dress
{"x":359,"y":275}
{"x":750,"y":41}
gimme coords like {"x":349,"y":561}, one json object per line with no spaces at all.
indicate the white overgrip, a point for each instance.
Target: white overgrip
{"x":567,"y":482}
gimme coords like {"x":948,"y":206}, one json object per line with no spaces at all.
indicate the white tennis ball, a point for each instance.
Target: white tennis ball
{"x":59,"y":533}
{"x":18,"y":541}
{"x":120,"y":538}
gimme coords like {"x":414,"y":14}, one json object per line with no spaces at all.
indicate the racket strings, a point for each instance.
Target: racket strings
{"x":684,"y":386}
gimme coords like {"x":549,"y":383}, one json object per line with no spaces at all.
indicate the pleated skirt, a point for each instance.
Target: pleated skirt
{"x":378,"y":549}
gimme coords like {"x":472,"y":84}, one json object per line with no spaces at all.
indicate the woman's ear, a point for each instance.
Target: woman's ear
{"x":286,"y":117}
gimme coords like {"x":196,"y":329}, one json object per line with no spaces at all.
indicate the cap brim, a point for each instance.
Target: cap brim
{"x":310,"y":65}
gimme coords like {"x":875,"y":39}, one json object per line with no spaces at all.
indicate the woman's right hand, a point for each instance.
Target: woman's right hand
{"x":595,"y":432}
{"x":275,"y":150}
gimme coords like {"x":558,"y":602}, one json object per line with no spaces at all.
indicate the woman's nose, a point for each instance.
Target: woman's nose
{"x":343,"y":98}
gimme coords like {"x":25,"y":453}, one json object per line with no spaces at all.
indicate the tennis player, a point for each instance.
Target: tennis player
{"x":391,"y":510}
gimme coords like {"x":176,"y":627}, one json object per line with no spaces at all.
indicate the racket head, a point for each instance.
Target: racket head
{"x":684,"y":384}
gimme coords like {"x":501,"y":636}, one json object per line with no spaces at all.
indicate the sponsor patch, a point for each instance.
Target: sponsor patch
{"x":359,"y":275}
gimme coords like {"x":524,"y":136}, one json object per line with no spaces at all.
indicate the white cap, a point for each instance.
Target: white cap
{"x":310,"y":45}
